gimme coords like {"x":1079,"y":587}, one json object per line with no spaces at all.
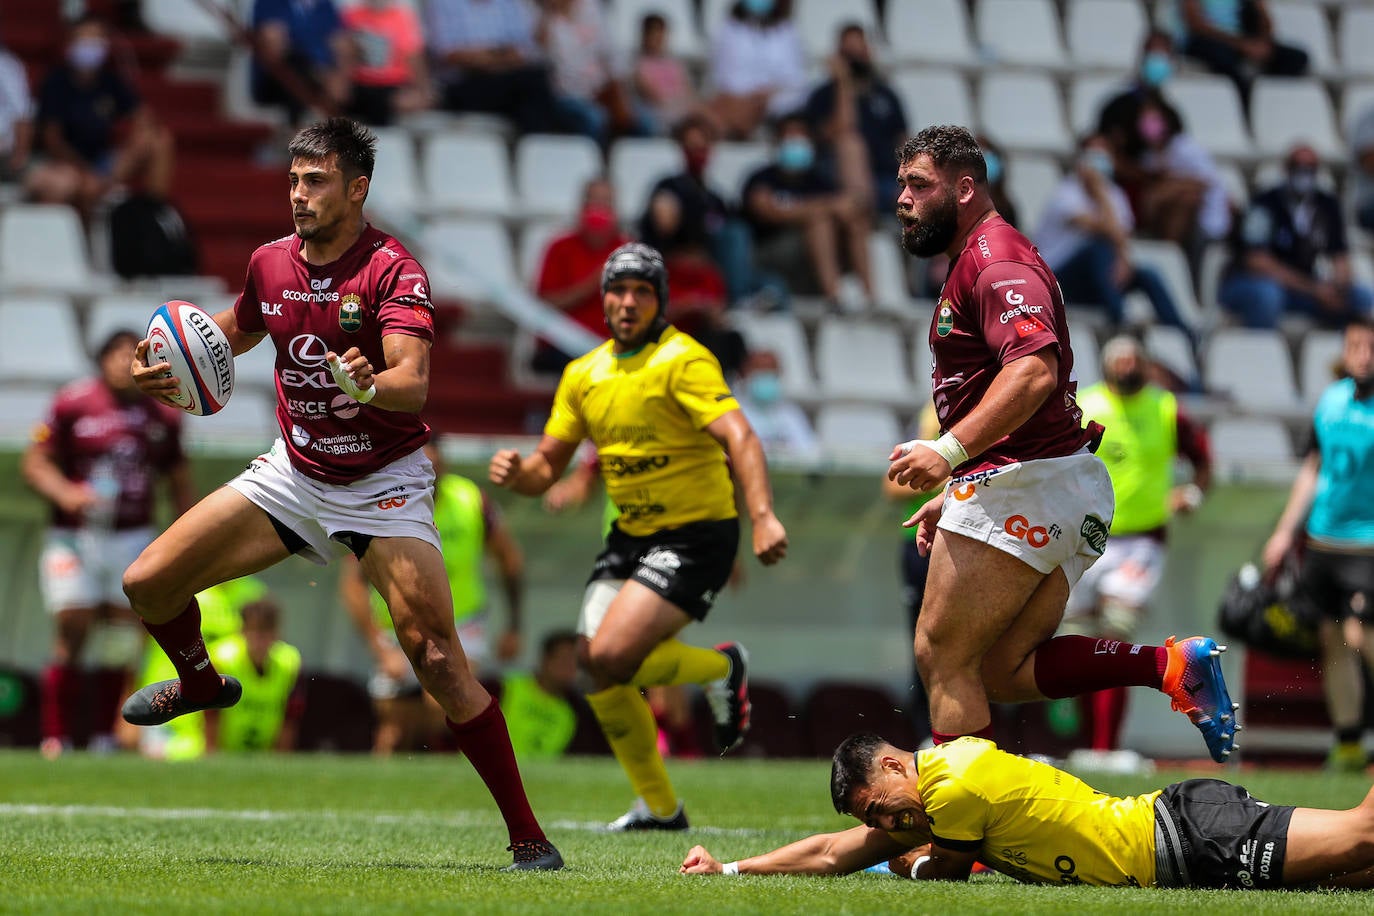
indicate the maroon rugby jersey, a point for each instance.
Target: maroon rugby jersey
{"x":138,"y":440}
{"x":1001,"y":302}
{"x":374,"y":289}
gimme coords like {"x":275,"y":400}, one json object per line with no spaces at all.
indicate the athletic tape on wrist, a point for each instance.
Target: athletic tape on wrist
{"x":916,"y":866}
{"x":348,"y":386}
{"x":730,"y":868}
{"x":947,"y":447}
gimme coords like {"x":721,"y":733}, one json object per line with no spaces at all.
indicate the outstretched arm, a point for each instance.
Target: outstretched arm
{"x":533,"y":475}
{"x":822,"y":854}
{"x":737,"y":437}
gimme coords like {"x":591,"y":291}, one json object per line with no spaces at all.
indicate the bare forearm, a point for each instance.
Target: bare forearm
{"x":751,"y":470}
{"x":1014,"y":396}
{"x":44,"y":476}
{"x":1300,"y":497}
{"x":815,"y":855}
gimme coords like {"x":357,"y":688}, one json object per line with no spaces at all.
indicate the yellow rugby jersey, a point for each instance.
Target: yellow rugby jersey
{"x":646,"y":412}
{"x":1033,"y":822}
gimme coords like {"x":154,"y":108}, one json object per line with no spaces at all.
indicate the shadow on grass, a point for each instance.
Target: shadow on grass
{"x":239,"y":861}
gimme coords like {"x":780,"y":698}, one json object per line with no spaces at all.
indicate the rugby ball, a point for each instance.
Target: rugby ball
{"x":187,"y":338}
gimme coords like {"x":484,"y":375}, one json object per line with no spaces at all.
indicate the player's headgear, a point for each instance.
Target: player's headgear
{"x":643,"y":262}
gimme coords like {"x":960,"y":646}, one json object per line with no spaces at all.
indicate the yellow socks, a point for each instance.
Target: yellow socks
{"x":629,"y":727}
{"x":674,"y":662}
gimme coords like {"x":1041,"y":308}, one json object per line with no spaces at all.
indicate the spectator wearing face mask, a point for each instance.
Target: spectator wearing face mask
{"x":781,"y":425}
{"x":804,"y":226}
{"x":570,"y":270}
{"x":758,"y":66}
{"x":1286,"y":232}
{"x":1085,"y":238}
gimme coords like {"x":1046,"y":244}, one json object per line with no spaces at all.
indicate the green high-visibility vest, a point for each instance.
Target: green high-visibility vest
{"x":1139,"y":448}
{"x":254,"y":723}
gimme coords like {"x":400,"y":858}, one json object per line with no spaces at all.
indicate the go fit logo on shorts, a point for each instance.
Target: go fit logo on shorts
{"x":1018,"y":526}
{"x":392,"y":502}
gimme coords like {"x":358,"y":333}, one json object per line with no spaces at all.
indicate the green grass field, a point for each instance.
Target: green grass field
{"x":315,"y":834}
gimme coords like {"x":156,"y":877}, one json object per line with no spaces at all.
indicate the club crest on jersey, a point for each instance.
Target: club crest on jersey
{"x":944,"y":318}
{"x":351,"y":312}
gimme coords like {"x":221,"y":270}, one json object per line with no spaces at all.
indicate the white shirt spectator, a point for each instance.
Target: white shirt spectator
{"x":580,"y":51}
{"x":746,"y":58}
{"x":1057,"y":237}
{"x":1187,"y":158}
{"x":16,"y":103}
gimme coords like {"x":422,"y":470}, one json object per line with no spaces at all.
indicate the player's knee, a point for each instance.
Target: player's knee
{"x":141,"y":583}
{"x":611,"y":664}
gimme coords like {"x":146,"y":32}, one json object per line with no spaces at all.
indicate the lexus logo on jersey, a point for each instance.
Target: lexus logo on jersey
{"x":351,"y":312}
{"x":308,"y":350}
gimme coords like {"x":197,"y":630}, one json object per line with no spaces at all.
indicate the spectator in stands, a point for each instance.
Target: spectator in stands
{"x":16,"y":117}
{"x":540,"y":717}
{"x":859,"y":121}
{"x":95,"y":460}
{"x":1175,"y":187}
{"x":1330,"y":517}
{"x":587,"y":69}
{"x":1362,"y":169}
{"x":570,"y":270}
{"x":471,"y":528}
{"x":802,"y":222}
{"x":93,"y":130}
{"x":685,"y":217}
{"x":1146,"y":433}
{"x":1085,"y":238}
{"x":487,"y":60}
{"x":1287,"y":229}
{"x":390,"y":76}
{"x":267,"y":716}
{"x":758,"y":66}
{"x":1236,"y":39}
{"x":661,"y":81}
{"x":780,"y":423}
{"x":302,"y":57}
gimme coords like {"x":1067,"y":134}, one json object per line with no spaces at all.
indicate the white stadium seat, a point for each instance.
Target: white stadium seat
{"x":931,"y":32}
{"x":23,"y":407}
{"x":1241,"y":442}
{"x":1286,"y":110}
{"x":1211,"y":112}
{"x":551,"y":170}
{"x":732,"y":163}
{"x":819,"y":23}
{"x":932,"y":96}
{"x":468,"y":173}
{"x":41,"y":342}
{"x":115,"y":312}
{"x":468,"y":259}
{"x":1026,"y":111}
{"x":1356,"y":37}
{"x":1304,"y":25}
{"x":1253,"y":368}
{"x":534,"y":240}
{"x":1105,"y":33}
{"x":1168,"y":259}
{"x":1031,"y":181}
{"x":1171,"y":348}
{"x":858,"y":430}
{"x":1020,"y":32}
{"x":626,"y":22}
{"x":862,"y":361}
{"x":888,"y":265}
{"x":1317,"y":361}
{"x":186,"y":21}
{"x":1356,"y":100}
{"x":395,"y":189}
{"x":43,"y":249}
{"x":637,"y":164}
{"x":1088,"y":95}
{"x":1087,"y":360}
{"x":783,"y":334}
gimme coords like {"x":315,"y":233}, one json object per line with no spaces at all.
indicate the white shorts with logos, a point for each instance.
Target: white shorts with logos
{"x":81,"y":568}
{"x":1048,"y":512}
{"x":397,"y":501}
{"x":1128,"y":573}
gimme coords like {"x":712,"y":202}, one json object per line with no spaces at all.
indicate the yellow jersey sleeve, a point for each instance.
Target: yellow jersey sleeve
{"x":566,"y":421}
{"x":701,"y":390}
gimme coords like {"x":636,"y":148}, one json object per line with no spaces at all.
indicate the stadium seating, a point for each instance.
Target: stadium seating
{"x":1171,"y":264}
{"x":819,"y":22}
{"x":636,"y":165}
{"x":1241,"y":442}
{"x":1104,"y":33}
{"x":42,"y":342}
{"x":1031,"y":180}
{"x":1356,"y":100}
{"x":1285,"y":111}
{"x":468,"y":259}
{"x":783,"y":334}
{"x":1356,"y":37}
{"x":626,"y":18}
{"x":889,"y":275}
{"x":43,"y":249}
{"x":1211,"y":112}
{"x":731,"y":164}
{"x":1025,"y":110}
{"x":190,"y":22}
{"x":115,"y":312}
{"x":395,"y":188}
{"x":857,"y":431}
{"x":934,"y":32}
{"x":1020,"y":33}
{"x":469,"y":173}
{"x":248,"y":421}
{"x":534,"y":240}
{"x":1171,"y":348}
{"x":1317,"y":361}
{"x":933,"y":96}
{"x":1088,"y":93}
{"x":1304,"y":24}
{"x":551,"y":170}
{"x":862,"y":361}
{"x":23,"y":406}
{"x":1087,"y":359}
{"x":1253,"y":368}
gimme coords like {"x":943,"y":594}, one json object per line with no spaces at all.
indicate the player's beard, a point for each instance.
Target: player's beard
{"x":935,"y":232}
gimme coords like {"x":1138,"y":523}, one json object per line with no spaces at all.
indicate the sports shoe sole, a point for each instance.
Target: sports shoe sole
{"x":162,"y":701}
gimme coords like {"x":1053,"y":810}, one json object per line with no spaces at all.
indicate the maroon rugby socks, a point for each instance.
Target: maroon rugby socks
{"x":1069,"y":666}
{"x":181,"y":639}
{"x":486,"y":742}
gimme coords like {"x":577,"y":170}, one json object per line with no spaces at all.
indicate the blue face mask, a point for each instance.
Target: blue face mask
{"x":1156,"y":68}
{"x":795,"y":154}
{"x":759,"y":7}
{"x":994,"y":164}
{"x":764,"y":387}
{"x":1099,"y":161}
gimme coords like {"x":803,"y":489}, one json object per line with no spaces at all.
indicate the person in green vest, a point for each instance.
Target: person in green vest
{"x":1146,"y":433}
{"x":269,"y":669}
{"x":470,"y":528}
{"x":540,"y":718}
{"x":221,"y":606}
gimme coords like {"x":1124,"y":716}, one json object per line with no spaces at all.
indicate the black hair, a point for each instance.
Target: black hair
{"x":116,"y":338}
{"x":797,"y":116}
{"x":555,"y":640}
{"x":697,"y":120}
{"x":352,"y":144}
{"x":852,"y":767}
{"x":649,"y":21}
{"x":947,"y":145}
{"x":264,"y":611}
{"x":853,"y":25}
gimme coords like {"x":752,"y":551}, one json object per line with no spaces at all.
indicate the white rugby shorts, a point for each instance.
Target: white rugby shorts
{"x":1048,"y":512}
{"x":80,"y":568}
{"x":1128,"y":574}
{"x":397,"y":501}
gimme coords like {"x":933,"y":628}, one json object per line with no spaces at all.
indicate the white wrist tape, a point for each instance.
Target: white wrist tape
{"x":730,"y":868}
{"x":947,"y":447}
{"x":916,"y":866}
{"x":350,"y":387}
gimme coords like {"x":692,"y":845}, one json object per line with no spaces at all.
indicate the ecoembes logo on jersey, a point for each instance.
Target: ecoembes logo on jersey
{"x":944,"y":319}
{"x":351,"y":312}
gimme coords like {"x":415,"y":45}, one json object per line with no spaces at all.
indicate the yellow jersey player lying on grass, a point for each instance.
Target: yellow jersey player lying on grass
{"x":935,"y":813}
